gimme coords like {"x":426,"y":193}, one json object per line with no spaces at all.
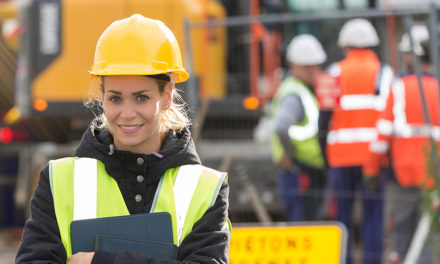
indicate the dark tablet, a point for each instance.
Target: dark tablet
{"x":155,"y":227}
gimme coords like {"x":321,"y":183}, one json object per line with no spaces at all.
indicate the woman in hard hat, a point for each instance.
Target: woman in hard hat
{"x":138,"y":157}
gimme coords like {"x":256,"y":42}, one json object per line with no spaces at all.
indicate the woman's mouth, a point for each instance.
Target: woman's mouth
{"x":129,"y":129}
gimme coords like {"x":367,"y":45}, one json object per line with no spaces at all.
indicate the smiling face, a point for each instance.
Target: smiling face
{"x":133,"y":106}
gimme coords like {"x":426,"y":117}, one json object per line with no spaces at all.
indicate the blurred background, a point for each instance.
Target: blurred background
{"x":234,"y":50}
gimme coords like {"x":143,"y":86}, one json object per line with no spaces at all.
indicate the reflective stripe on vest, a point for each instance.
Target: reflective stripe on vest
{"x":423,"y":131}
{"x":379,"y":146}
{"x":401,"y":126}
{"x":185,"y":193}
{"x":85,"y":189}
{"x":385,"y":127}
{"x":188,"y":185}
{"x":370,"y":101}
{"x":399,"y":106}
{"x":352,"y":135}
{"x":311,"y":111}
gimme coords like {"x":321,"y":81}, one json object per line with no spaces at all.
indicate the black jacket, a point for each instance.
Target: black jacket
{"x":207,"y":243}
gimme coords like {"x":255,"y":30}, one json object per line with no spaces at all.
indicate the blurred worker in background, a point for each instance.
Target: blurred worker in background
{"x":295,"y":146}
{"x":364,"y":83}
{"x":404,"y":134}
{"x":420,"y":35}
{"x":142,"y":154}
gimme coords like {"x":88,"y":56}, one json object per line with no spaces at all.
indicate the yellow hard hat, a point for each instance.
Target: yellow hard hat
{"x":138,"y":46}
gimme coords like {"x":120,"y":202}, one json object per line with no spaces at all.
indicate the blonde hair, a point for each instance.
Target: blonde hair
{"x":174,"y":117}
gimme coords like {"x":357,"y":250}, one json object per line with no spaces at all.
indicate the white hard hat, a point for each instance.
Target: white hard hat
{"x":305,"y":49}
{"x":419,"y":34}
{"x":358,"y":33}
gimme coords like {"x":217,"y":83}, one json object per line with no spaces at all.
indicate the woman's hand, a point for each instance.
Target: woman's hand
{"x":286,"y":162}
{"x":81,"y":258}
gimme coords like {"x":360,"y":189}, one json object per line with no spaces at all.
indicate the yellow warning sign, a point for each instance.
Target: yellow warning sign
{"x":297,"y":244}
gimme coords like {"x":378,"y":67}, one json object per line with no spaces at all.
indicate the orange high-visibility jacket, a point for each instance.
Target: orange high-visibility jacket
{"x":364,"y":87}
{"x":403,"y":131}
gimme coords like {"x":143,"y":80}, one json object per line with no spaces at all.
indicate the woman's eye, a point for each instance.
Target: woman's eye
{"x":142,"y":98}
{"x":115,"y":99}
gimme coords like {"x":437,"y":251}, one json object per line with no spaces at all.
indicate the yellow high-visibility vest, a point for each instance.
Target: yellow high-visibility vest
{"x":82,"y":189}
{"x":304,"y":135}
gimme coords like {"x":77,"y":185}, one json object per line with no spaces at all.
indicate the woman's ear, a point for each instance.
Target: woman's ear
{"x":167,"y":96}
{"x":101,"y":88}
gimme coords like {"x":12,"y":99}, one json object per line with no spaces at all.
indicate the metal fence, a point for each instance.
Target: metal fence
{"x":228,"y":129}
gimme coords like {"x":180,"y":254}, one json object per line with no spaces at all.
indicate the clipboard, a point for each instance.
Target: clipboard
{"x":151,"y":227}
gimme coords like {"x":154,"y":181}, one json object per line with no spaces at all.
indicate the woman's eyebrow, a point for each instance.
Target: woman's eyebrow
{"x":140,"y":92}
{"x":134,"y":93}
{"x":115,"y":92}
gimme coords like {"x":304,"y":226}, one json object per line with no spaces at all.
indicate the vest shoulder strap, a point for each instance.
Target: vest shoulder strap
{"x":61,"y":177}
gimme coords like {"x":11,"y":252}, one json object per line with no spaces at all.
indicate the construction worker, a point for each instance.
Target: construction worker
{"x":295,"y":146}
{"x":420,"y":34}
{"x":143,"y":156}
{"x":404,"y":135}
{"x":364,"y":83}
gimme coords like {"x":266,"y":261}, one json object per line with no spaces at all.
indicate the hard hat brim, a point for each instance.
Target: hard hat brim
{"x":134,"y":70}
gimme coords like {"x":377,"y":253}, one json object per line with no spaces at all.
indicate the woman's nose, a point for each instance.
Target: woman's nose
{"x":128,"y":111}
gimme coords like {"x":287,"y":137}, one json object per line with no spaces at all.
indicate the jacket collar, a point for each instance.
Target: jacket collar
{"x":177,"y":149}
